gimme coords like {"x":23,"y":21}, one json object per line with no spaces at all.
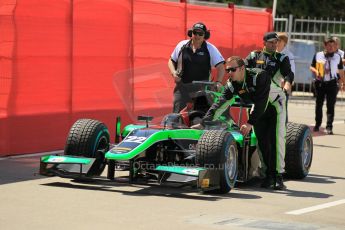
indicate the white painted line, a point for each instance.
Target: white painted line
{"x":316,"y":207}
{"x":31,"y":155}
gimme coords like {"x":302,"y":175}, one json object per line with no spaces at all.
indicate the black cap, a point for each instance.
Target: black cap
{"x":199,"y":26}
{"x":270,"y":36}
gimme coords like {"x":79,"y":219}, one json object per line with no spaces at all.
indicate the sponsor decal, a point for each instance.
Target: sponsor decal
{"x":57,"y":159}
{"x":190,"y":171}
{"x":199,"y":26}
{"x":135,"y":139}
{"x":122,"y":149}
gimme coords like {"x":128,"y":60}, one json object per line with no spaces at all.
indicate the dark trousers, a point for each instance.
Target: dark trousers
{"x":265,"y":131}
{"x":328,"y":90}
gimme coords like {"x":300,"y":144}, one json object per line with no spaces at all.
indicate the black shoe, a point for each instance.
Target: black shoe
{"x":316,"y":128}
{"x":329,"y":131}
{"x":268,"y":182}
{"x":279,"y":184}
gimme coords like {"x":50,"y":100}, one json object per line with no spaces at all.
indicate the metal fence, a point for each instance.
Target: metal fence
{"x":306,"y":36}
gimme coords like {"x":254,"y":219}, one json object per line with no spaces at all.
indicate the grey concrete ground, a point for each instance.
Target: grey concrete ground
{"x":30,"y":201}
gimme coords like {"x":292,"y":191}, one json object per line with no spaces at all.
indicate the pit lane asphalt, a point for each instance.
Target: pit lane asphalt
{"x":30,"y":201}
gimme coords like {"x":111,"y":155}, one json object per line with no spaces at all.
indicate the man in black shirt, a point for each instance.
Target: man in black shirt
{"x":192,"y":60}
{"x":267,"y":116}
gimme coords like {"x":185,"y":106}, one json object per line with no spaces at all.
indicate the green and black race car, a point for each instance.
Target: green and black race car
{"x":213,"y":159}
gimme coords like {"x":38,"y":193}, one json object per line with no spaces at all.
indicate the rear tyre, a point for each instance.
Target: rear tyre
{"x":218,"y":149}
{"x":299,"y":151}
{"x":89,"y":138}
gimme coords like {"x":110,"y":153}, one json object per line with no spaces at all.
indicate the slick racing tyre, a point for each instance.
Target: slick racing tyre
{"x":89,"y":138}
{"x":217,"y":150}
{"x":299,"y":150}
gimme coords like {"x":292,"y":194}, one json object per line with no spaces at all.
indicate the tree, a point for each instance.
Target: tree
{"x":298,"y":8}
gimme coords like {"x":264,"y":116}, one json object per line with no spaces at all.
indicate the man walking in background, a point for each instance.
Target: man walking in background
{"x":327,"y":67}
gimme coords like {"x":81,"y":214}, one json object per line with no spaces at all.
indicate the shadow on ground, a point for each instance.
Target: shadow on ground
{"x":179,"y":192}
{"x":19,"y":169}
{"x":254,"y":184}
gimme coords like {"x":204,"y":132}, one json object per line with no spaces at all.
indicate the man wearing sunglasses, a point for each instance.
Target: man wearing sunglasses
{"x":192,"y":60}
{"x":253,"y":86}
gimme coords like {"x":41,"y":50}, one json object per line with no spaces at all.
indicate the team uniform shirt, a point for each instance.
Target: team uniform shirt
{"x":254,"y":89}
{"x":342,"y":55}
{"x":276,"y":64}
{"x":327,"y":65}
{"x":196,"y":66}
{"x":287,"y":52}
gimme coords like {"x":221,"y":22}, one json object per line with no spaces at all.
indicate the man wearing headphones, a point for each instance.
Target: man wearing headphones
{"x":327,"y":67}
{"x":192,"y":60}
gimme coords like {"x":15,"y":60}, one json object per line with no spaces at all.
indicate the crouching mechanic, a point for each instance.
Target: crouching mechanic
{"x":267,"y":116}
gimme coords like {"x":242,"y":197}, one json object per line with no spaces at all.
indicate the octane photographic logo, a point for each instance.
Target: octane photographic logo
{"x":145,"y":90}
{"x":151,"y":166}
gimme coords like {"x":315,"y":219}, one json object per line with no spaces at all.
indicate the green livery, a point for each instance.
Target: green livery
{"x":180,"y":170}
{"x":65,"y":160}
{"x":213,"y":159}
{"x":132,"y":145}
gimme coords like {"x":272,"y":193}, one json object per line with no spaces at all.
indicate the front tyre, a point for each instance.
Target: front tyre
{"x":299,"y":150}
{"x":218,"y":149}
{"x":89,"y":138}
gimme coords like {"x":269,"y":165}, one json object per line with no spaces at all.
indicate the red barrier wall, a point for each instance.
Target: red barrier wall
{"x":61,"y":60}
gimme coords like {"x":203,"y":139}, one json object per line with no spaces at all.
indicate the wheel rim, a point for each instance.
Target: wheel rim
{"x":307,"y":153}
{"x":231,"y":162}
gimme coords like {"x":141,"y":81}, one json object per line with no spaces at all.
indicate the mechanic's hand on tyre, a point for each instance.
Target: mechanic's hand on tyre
{"x":245,"y":129}
{"x":197,"y":126}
